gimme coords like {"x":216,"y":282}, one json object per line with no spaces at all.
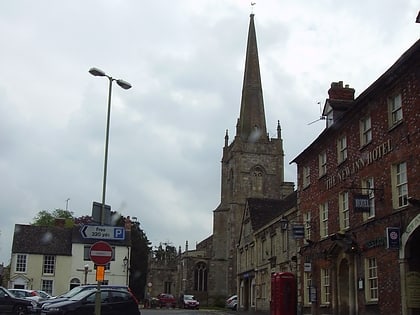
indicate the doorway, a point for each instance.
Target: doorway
{"x":343,"y":288}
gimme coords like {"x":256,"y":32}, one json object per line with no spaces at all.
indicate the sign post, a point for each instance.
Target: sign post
{"x":101,"y":254}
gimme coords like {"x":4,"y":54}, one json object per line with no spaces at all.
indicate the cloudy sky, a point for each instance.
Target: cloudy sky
{"x":185,"y":61}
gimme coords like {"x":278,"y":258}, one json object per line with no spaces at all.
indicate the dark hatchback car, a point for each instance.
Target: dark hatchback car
{"x":9,"y":304}
{"x":76,"y":290}
{"x":113,"y":302}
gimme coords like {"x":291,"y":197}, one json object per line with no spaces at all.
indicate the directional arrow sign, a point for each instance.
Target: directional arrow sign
{"x":103,"y":232}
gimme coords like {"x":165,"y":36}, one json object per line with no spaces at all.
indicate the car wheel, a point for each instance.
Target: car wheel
{"x":19,"y":310}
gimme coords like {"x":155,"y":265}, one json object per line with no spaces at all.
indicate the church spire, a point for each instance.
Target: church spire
{"x":252,"y":126}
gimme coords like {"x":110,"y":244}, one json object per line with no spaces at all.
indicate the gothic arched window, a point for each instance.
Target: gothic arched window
{"x":200,"y":277}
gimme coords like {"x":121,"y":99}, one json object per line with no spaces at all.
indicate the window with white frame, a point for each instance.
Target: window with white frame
{"x":306,"y":176}
{"x":343,"y":206}
{"x":323,"y":214}
{"x":342,"y":149}
{"x":395,"y":110}
{"x":369,"y":189}
{"x":21,"y":262}
{"x":372,"y":291}
{"x":47,"y":286}
{"x":307,"y":222}
{"x":365,"y":131}
{"x":399,"y":185}
{"x":325,"y":286}
{"x":48,"y":266}
{"x":322,"y":158}
{"x":308,"y":284}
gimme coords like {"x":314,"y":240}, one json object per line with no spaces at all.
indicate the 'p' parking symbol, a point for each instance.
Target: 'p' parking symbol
{"x":119,"y":233}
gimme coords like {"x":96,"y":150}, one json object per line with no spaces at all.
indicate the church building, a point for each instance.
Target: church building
{"x":252,"y":167}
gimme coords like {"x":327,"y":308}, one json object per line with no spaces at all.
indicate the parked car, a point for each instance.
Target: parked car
{"x":14,"y":305}
{"x":232,"y":302}
{"x":44,"y":294}
{"x":76,"y":290}
{"x":166,"y":300}
{"x":26,"y":294}
{"x":189,"y":301}
{"x":113,"y":301}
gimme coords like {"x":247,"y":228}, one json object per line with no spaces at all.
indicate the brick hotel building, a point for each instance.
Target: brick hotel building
{"x":359,"y":198}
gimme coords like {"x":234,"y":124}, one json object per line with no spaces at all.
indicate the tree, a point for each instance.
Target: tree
{"x":46,"y":218}
{"x":140,"y":249}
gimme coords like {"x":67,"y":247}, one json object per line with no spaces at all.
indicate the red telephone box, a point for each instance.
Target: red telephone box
{"x":283,"y":294}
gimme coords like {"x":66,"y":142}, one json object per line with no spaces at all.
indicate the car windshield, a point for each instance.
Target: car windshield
{"x":9,"y":292}
{"x":74,"y":291}
{"x":189,"y":297}
{"x":81,"y":294}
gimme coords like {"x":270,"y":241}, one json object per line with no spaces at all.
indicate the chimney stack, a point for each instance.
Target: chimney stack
{"x":338,"y":92}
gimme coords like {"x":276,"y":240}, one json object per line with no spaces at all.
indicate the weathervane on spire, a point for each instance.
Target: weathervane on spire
{"x":252,"y":7}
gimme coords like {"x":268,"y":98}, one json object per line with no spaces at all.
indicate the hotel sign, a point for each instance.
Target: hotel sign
{"x":361,"y":203}
{"x":359,"y":163}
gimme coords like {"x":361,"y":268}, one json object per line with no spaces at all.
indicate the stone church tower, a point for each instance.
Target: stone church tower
{"x":252,"y":166}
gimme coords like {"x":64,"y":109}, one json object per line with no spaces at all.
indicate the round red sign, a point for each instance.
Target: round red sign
{"x":100,"y":253}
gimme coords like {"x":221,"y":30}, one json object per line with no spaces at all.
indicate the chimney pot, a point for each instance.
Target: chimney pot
{"x":338,"y":92}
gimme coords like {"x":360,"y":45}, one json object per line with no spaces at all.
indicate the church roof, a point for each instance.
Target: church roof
{"x":262,"y":210}
{"x":251,"y":124}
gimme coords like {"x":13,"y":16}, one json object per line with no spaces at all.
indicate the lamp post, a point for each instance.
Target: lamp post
{"x":125,"y":85}
{"x":86,"y":272}
{"x":126,"y":269}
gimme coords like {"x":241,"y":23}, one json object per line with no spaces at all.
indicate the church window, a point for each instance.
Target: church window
{"x":257,"y":180}
{"x":200,"y":277}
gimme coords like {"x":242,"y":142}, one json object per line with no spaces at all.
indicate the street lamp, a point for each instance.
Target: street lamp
{"x":125,"y":85}
{"x":126,"y":269}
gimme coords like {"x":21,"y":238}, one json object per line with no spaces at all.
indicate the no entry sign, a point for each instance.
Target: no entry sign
{"x":100,"y":253}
